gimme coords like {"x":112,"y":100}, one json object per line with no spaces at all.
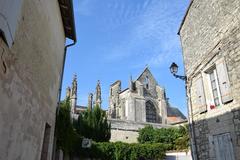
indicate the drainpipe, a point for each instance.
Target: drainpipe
{"x":61,"y":79}
{"x":191,"y":126}
{"x":59,"y":97}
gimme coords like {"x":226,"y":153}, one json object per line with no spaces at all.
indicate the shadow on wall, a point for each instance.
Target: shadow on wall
{"x":178,"y":157}
{"x":216,"y":134}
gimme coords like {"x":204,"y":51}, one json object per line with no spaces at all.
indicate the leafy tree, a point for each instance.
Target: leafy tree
{"x":64,"y":129}
{"x":94,"y":125}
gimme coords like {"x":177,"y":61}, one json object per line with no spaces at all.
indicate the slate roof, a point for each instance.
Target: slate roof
{"x":174,"y":112}
{"x":81,"y":107}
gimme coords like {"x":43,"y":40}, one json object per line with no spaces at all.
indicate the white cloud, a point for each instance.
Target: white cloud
{"x":153,"y":30}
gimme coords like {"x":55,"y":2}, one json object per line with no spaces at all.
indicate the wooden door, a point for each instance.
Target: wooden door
{"x":223,"y":147}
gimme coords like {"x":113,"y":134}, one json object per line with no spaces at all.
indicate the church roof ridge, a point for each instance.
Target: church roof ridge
{"x":146,"y":68}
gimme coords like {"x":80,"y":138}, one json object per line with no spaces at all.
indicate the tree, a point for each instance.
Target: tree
{"x":94,"y":125}
{"x":64,"y":128}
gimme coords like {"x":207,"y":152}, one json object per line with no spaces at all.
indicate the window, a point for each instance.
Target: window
{"x":46,"y":140}
{"x":147,"y":82}
{"x":219,"y":83}
{"x":150,"y":112}
{"x":214,"y":87}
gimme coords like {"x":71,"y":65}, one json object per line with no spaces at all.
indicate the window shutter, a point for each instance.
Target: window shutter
{"x":10,"y":11}
{"x":200,"y":96}
{"x":223,"y":81}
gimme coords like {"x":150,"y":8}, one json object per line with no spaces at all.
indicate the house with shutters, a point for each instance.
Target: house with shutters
{"x":211,"y":52}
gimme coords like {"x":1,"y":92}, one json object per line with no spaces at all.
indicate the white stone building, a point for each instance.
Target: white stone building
{"x":32,"y":51}
{"x":210,"y":37}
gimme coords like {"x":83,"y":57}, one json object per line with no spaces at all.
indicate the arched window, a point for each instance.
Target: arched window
{"x":147,"y":82}
{"x":151,"y":115}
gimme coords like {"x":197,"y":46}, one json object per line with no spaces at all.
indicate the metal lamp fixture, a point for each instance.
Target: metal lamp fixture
{"x":174,"y":70}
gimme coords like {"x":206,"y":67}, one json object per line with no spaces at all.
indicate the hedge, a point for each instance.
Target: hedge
{"x":176,"y":137}
{"x":124,"y":151}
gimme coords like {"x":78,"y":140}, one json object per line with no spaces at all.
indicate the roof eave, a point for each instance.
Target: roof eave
{"x":67,"y":13}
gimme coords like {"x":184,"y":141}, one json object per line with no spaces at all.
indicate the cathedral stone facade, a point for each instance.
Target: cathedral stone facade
{"x":143,"y":101}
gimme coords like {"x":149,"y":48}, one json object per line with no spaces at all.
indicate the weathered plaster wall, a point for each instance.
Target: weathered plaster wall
{"x":210,"y":32}
{"x":29,"y":80}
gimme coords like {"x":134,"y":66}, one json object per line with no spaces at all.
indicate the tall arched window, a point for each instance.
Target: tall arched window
{"x":147,"y":82}
{"x":151,"y":114}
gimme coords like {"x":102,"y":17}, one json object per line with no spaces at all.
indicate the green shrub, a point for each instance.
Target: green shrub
{"x":176,"y":137}
{"x":125,"y":151}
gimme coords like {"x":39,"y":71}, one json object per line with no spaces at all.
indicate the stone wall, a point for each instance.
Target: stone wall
{"x":210,"y":32}
{"x":127,"y":131}
{"x":29,"y":80}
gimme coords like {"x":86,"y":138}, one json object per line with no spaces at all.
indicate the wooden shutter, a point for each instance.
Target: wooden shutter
{"x":10,"y":11}
{"x":223,"y":81}
{"x":200,"y":96}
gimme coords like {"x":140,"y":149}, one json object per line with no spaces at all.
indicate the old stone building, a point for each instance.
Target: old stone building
{"x":210,"y":37}
{"x":144,"y":102}
{"x":32,"y":51}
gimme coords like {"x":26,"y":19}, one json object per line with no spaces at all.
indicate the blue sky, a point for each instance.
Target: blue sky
{"x":118,"y":38}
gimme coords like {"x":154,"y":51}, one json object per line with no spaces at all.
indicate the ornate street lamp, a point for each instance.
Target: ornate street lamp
{"x":174,"y":70}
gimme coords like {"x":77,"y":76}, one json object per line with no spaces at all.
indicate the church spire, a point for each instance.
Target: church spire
{"x":98,"y":99}
{"x":90,"y":101}
{"x":130,"y":84}
{"x":68,"y":92}
{"x":74,"y":87}
{"x":73,"y":95}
